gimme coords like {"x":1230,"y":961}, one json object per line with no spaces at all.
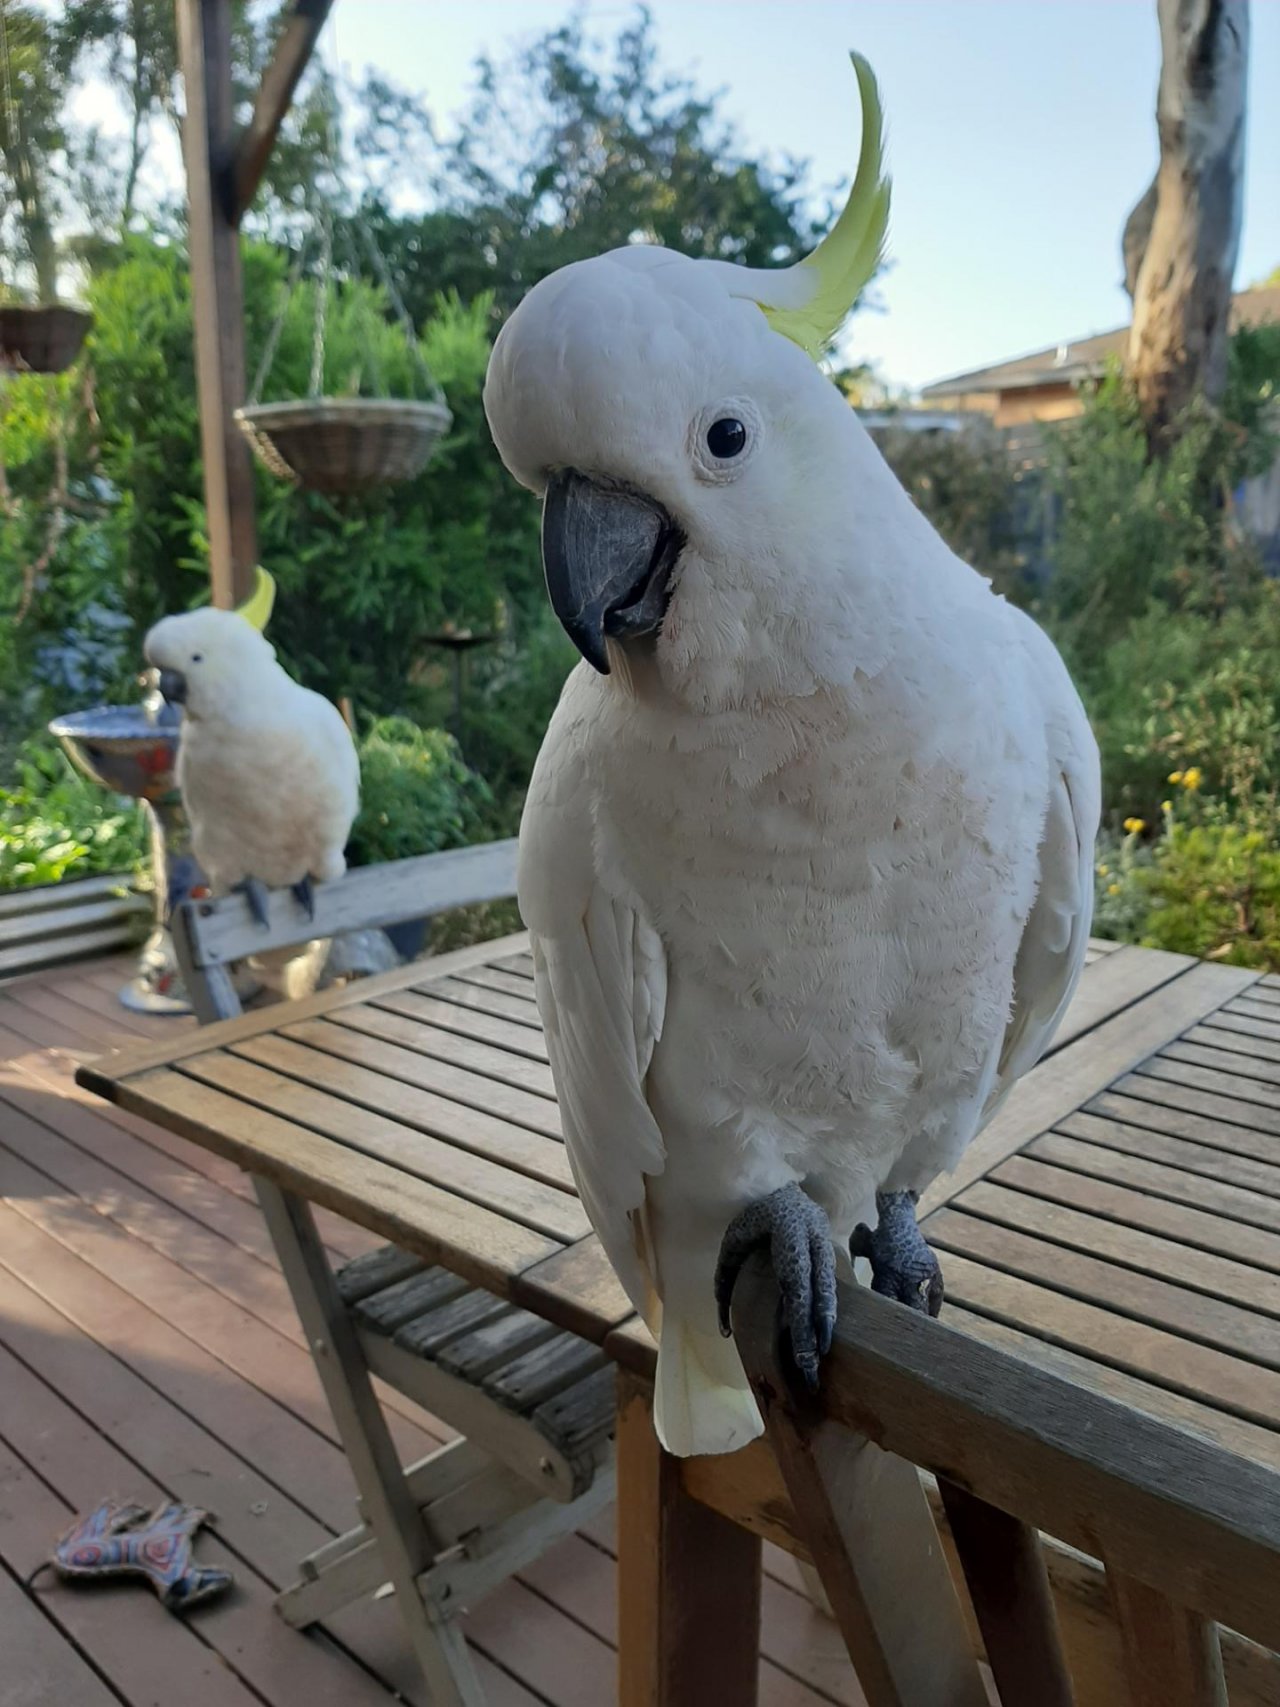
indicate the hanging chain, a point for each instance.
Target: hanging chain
{"x":10,"y":108}
{"x":375,"y":254}
{"x":277,"y":325}
{"x":13,"y":127}
{"x":322,"y":303}
{"x":321,"y":210}
{"x":397,"y":302}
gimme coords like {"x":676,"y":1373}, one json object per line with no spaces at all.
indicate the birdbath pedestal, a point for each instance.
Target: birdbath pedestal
{"x":458,"y":642}
{"x":132,"y":750}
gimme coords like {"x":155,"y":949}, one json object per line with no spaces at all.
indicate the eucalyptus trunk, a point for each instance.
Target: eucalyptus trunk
{"x":1182,"y":287}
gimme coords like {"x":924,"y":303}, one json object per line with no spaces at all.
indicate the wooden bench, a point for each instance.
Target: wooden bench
{"x":534,"y":1407}
{"x":54,"y":922}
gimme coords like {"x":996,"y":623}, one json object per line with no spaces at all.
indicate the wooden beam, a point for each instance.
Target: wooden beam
{"x":688,"y":1581}
{"x":204,"y":47}
{"x":292,"y":55}
{"x":1168,"y":1507}
{"x":747,"y":1487}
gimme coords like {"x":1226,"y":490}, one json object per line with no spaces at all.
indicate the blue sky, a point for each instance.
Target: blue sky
{"x":1021,"y":132}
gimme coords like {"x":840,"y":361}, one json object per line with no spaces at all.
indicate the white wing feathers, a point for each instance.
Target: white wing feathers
{"x":601,"y":982}
{"x":1051,"y":954}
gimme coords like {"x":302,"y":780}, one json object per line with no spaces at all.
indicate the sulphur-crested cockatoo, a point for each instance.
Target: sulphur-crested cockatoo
{"x":807,"y":855}
{"x":267,"y":768}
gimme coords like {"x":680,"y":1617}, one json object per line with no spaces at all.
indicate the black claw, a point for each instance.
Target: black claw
{"x":903,"y":1267}
{"x":304,"y":893}
{"x":796,"y":1234}
{"x":826,"y":1331}
{"x":257,"y":895}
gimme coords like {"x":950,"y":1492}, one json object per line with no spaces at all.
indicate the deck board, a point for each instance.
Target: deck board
{"x":148,"y":1347}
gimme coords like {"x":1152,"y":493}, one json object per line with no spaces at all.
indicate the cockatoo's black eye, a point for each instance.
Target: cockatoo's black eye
{"x":197,"y":657}
{"x":726,"y":437}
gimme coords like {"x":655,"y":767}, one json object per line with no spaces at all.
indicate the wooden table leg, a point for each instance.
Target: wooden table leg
{"x":438,"y":1645}
{"x":688,"y":1581}
{"x":1171,"y":1653}
{"x":1009,"y":1587}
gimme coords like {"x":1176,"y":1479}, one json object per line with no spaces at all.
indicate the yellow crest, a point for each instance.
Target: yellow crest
{"x":256,"y":609}
{"x":808,"y":302}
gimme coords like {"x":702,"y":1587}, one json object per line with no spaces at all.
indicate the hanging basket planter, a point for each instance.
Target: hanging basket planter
{"x":344,"y":444}
{"x":45,"y":338}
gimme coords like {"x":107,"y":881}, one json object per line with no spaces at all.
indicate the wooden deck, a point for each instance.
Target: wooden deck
{"x":148,"y":1347}
{"x":1117,"y":1219}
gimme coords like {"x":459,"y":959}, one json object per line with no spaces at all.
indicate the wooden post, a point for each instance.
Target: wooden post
{"x":208,"y":138}
{"x":1008,"y":1584}
{"x":1170,"y":1652}
{"x":688,"y":1581}
{"x":293,"y":51}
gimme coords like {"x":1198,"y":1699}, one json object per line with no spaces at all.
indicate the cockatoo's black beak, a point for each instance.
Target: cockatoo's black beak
{"x":173,"y":686}
{"x":607,"y":553}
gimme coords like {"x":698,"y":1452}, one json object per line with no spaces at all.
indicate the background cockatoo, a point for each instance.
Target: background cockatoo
{"x":807,"y":855}
{"x":267,"y":768}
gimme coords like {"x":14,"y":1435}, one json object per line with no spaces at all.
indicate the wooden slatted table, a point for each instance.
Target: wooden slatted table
{"x":1118,"y":1221}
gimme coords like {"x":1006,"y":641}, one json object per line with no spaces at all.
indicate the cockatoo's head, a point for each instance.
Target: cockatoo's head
{"x":211,"y":662}
{"x":695,"y":465}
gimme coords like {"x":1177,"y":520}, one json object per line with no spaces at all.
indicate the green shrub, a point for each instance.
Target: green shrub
{"x":416,"y":794}
{"x":361,"y":581}
{"x":1121,"y":900}
{"x":1136,"y":530}
{"x":507,"y":712}
{"x":968,"y":485}
{"x":1213,"y":890}
{"x":56,"y":823}
{"x":1179,"y":688}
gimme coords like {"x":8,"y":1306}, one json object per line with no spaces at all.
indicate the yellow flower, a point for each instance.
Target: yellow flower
{"x":1166,"y":806}
{"x":1134,"y":826}
{"x":1104,"y":871}
{"x":1113,"y":888}
{"x":1191,"y":778}
{"x":1175,"y":776}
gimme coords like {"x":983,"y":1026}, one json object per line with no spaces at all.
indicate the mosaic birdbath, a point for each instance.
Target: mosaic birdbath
{"x":132,"y":749}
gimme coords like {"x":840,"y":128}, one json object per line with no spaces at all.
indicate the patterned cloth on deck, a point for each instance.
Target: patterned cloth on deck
{"x":118,"y":1540}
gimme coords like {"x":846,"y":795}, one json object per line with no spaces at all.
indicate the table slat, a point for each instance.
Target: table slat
{"x":1129,"y":1292}
{"x":440,"y":1227}
{"x":513,"y":1195}
{"x":469,"y":1128}
{"x":493,"y":1060}
{"x":522,"y":1108}
{"x":467,"y":1022}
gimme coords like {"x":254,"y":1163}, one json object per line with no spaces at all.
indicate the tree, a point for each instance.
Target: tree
{"x":567,"y":151}
{"x":1182,"y":284}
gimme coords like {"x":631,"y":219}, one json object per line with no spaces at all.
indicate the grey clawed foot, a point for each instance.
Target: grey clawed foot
{"x":304,"y":892}
{"x":903,"y":1266}
{"x":258,"y":896}
{"x":797,"y":1235}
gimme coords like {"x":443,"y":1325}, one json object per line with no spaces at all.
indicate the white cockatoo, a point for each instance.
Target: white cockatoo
{"x":807,"y":857}
{"x":267,"y":768}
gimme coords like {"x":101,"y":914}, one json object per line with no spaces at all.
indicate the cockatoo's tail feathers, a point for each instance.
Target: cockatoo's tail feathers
{"x":809,"y":302}
{"x":256,"y":609}
{"x":701,"y":1402}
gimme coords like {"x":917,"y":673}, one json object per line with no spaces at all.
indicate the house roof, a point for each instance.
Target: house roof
{"x":1068,"y":364}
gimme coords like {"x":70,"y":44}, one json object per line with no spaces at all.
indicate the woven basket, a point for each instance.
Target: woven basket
{"x":344,"y":444}
{"x":41,"y":339}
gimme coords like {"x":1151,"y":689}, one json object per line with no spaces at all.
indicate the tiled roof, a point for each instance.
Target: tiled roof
{"x":1087,"y":357}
